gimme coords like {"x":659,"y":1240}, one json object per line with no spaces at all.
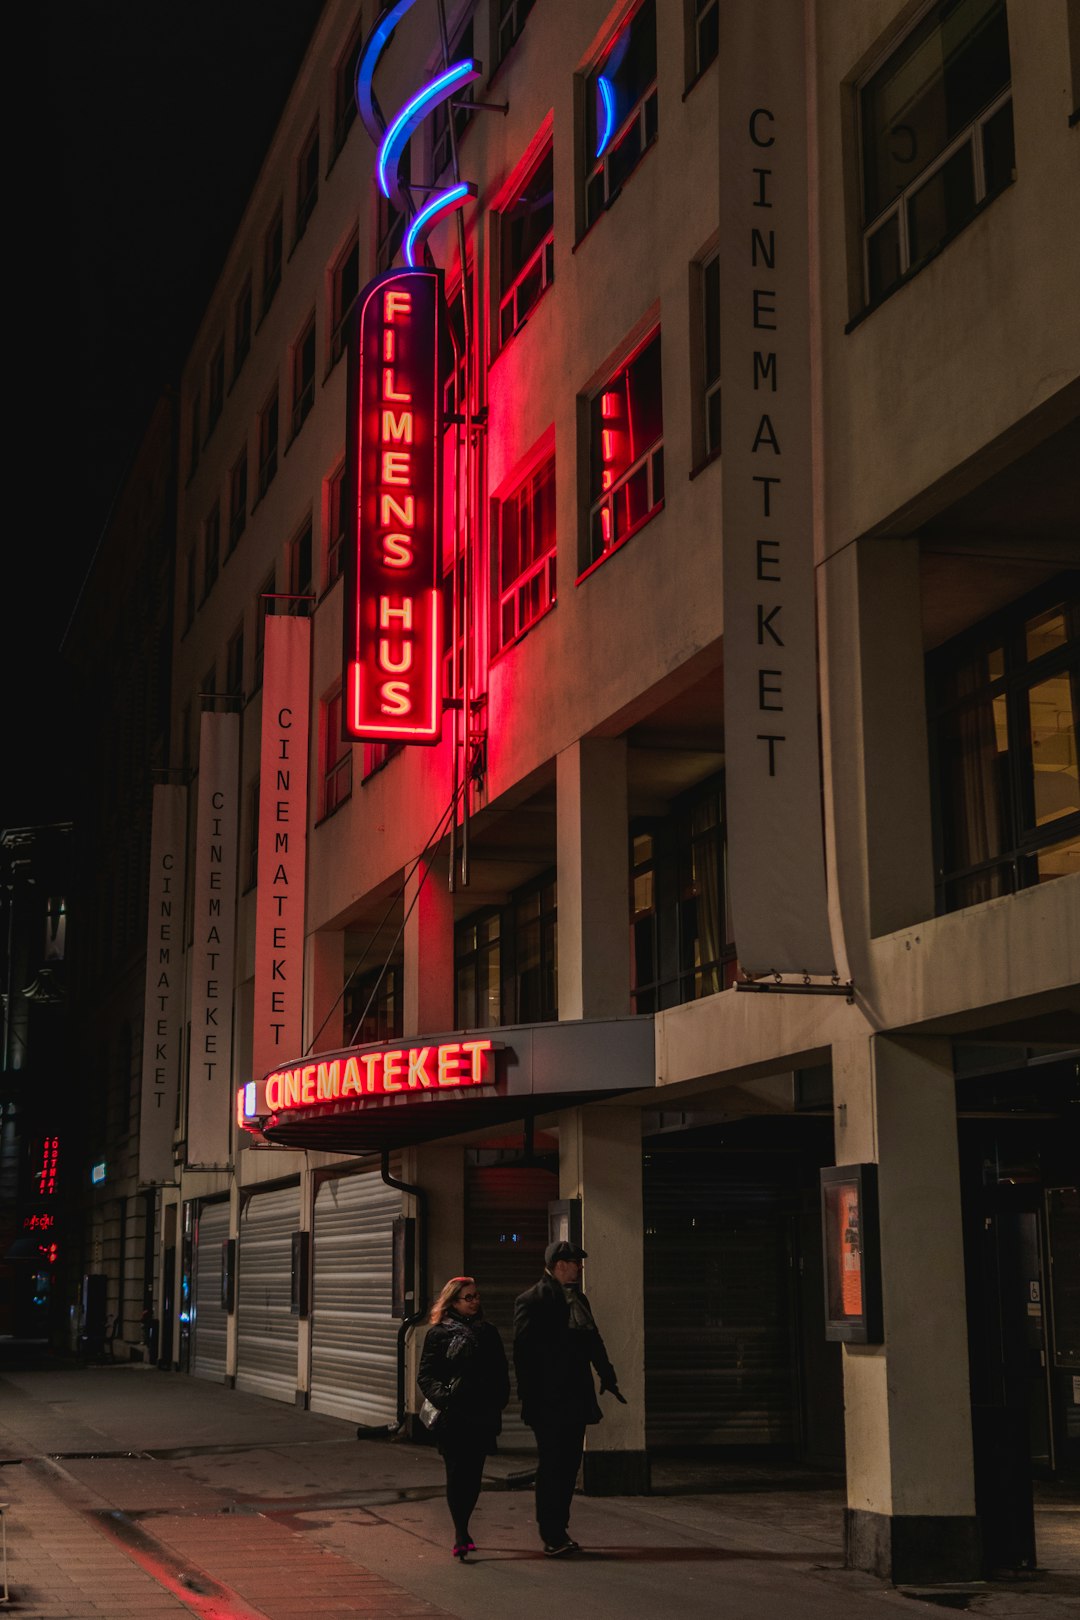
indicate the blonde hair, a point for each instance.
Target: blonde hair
{"x":450,"y":1292}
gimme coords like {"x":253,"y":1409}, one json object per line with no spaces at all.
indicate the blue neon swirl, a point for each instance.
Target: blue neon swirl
{"x":607,"y":96}
{"x":414,"y":110}
{"x":367,"y":106}
{"x":445,"y":201}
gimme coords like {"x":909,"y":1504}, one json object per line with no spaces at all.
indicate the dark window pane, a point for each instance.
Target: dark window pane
{"x":942,"y":204}
{"x":999,"y":157}
{"x":883,"y":258}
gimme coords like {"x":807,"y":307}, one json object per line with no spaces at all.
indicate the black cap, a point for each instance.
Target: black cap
{"x":563,"y":1251}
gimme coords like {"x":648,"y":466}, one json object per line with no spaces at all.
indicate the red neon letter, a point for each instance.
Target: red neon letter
{"x":477,"y":1048}
{"x":397,"y":303}
{"x":418,"y":1075}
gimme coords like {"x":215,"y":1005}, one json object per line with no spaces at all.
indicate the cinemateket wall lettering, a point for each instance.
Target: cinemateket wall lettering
{"x":378,"y":1072}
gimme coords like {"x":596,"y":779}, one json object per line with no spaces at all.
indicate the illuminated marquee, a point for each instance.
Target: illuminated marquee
{"x":391,"y":622}
{"x":381,"y":1072}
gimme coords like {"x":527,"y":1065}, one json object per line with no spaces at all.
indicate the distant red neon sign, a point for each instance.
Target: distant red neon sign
{"x":390,"y":686}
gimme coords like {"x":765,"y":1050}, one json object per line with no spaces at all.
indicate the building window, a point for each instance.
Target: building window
{"x":234,"y":662}
{"x":703,"y":22}
{"x":195,"y":443}
{"x":211,"y":549}
{"x":307,"y":180}
{"x":680,"y":933}
{"x":454,"y":384}
{"x":710,"y":323}
{"x":536,"y":969}
{"x":1005,"y":705}
{"x":626,"y":452}
{"x":335,"y":530}
{"x":268,"y":443}
{"x":242,"y":328}
{"x":253,"y":835}
{"x":527,"y":241}
{"x":217,"y":387}
{"x":441,"y":150}
{"x":373,"y":1007}
{"x":264,"y":604}
{"x":936,"y":137}
{"x":300,"y":564}
{"x":273,"y":246}
{"x":337,"y":757}
{"x":621,"y":120}
{"x":345,"y":284}
{"x":189,"y":590}
{"x":303,"y":375}
{"x":238,"y":498}
{"x":526,"y":553}
{"x":510,"y":18}
{"x":345,"y":90}
{"x":478,"y":971}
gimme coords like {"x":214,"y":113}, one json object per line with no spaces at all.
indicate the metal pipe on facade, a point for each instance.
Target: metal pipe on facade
{"x":418,"y":1315}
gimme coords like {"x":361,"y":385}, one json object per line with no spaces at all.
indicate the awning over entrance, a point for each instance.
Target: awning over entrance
{"x":364,"y":1099}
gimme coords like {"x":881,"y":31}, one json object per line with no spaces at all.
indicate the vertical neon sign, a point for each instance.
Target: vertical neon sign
{"x":394,"y":434}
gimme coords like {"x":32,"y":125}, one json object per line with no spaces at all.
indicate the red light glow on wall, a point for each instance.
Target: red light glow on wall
{"x":391,"y":624}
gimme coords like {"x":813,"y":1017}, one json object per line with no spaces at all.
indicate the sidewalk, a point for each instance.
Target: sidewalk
{"x":137,"y":1493}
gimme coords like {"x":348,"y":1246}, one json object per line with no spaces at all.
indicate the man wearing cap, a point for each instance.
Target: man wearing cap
{"x":556,"y":1346}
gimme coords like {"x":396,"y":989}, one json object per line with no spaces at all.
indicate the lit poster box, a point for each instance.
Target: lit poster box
{"x":852,"y":1254}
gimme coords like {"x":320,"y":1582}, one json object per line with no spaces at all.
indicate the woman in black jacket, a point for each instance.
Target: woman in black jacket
{"x":463,"y":1373}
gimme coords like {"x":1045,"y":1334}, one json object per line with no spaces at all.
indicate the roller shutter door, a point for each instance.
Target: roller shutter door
{"x":719,"y":1347}
{"x":266,"y":1346}
{"x":211,"y":1322}
{"x":353,"y":1334}
{"x":506,"y":1227}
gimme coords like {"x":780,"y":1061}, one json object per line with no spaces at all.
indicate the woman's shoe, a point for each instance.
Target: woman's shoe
{"x":470,"y":1546}
{"x":460,"y":1549}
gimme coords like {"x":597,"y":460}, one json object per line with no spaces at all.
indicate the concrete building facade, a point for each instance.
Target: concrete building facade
{"x":583,"y":770}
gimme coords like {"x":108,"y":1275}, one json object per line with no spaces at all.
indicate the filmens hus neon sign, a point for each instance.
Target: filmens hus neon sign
{"x":391,"y":621}
{"x":335,"y":1077}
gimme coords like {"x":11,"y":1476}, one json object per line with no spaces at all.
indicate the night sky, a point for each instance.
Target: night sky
{"x":150,"y":123}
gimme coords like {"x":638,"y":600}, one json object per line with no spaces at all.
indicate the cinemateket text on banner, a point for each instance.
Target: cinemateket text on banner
{"x":384,"y":1071}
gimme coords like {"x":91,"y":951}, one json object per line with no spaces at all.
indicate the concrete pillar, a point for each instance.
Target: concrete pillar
{"x":594,"y":927}
{"x":440,"y":1171}
{"x":600,"y":1163}
{"x":428,"y":967}
{"x":910,"y":1478}
{"x":878,"y":780}
{"x":324,"y":976}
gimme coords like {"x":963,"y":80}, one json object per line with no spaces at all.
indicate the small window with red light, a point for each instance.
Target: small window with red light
{"x":626,"y":469}
{"x":526,"y":559}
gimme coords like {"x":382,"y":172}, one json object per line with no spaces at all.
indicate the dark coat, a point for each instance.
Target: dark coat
{"x":554,"y":1361}
{"x":463,"y":1372}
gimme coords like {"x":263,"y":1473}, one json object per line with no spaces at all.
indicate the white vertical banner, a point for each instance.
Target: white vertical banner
{"x":283,"y":808}
{"x":776,"y":864}
{"x":163,"y":1007}
{"x":211,"y":960}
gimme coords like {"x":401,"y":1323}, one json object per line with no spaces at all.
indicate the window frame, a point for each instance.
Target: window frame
{"x":652,"y":458}
{"x":542,"y":566}
{"x":304,"y":353}
{"x":340,"y":312}
{"x":345,"y":88}
{"x":211,"y":549}
{"x":264,"y":606}
{"x":273,"y":258}
{"x":268,"y":453}
{"x":307,"y":181}
{"x":238,"y":494}
{"x":215,"y":387}
{"x":543,"y":255}
{"x":234,"y":662}
{"x":335,"y":527}
{"x":336,"y":757}
{"x":479,"y":951}
{"x":298,"y":587}
{"x":898,"y":208}
{"x":501,"y":46}
{"x":639,"y":114}
{"x":243,"y":316}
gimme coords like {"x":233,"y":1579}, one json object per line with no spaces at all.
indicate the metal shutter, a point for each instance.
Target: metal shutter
{"x":506,"y":1233}
{"x":353,"y":1335}
{"x":266,"y":1348}
{"x":210,"y":1321}
{"x":719,"y":1353}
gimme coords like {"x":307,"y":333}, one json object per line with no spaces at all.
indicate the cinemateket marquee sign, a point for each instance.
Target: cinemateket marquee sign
{"x":334,"y":1078}
{"x":391,"y":652}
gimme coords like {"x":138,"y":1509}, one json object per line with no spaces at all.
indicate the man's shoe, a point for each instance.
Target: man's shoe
{"x":559,"y":1548}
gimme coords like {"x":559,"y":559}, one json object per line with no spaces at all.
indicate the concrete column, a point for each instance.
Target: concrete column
{"x":324,"y":976}
{"x":428,"y":969}
{"x":600,"y":1163}
{"x":878,"y":777}
{"x":440,"y":1171}
{"x":910,"y":1478}
{"x":594,"y":928}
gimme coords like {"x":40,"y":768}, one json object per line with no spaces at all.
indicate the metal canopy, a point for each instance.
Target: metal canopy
{"x":547,"y":1067}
